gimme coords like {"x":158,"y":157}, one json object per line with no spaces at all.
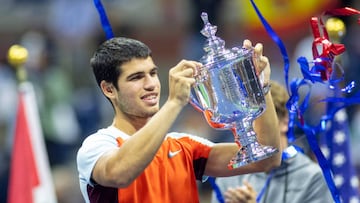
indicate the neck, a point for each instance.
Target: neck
{"x":129,"y":125}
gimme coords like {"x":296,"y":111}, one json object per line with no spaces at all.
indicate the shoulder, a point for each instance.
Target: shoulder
{"x":309,"y":165}
{"x":302,"y":167}
{"x":93,"y":147}
{"x":105,"y":135}
{"x":98,"y":143}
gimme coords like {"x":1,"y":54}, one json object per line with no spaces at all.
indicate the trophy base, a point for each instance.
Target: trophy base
{"x":244,"y":157}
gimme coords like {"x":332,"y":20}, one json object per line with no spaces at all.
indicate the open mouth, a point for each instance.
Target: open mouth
{"x":150,"y":99}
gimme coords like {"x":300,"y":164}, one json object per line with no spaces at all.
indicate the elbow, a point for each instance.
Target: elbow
{"x":272,"y":162}
{"x":116,"y":179}
{"x":276,"y":160}
{"x":121,"y":182}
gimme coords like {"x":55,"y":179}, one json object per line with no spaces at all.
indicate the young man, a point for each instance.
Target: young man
{"x":297,"y":180}
{"x":135,"y":159}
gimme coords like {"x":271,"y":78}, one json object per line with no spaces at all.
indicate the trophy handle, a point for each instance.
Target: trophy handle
{"x":193,"y":101}
{"x":208,"y":114}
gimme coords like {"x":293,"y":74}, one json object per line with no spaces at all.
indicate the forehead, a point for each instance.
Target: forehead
{"x":137,"y":65}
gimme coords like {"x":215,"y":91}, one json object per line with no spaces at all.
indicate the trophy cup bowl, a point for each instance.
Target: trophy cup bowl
{"x":229,"y":93}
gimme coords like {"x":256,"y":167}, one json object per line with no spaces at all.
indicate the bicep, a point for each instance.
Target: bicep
{"x":99,"y":174}
{"x":89,"y":155}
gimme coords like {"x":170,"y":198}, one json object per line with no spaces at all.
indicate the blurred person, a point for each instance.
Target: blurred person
{"x":54,"y":90}
{"x":298,"y":179}
{"x":135,"y":159}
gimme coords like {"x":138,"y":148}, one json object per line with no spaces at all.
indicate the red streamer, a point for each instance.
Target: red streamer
{"x":322,"y":47}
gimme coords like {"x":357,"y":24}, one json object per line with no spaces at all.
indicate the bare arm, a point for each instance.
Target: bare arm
{"x":120,"y":167}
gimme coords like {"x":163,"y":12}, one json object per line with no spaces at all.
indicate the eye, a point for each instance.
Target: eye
{"x":136,"y":77}
{"x":154,"y":72}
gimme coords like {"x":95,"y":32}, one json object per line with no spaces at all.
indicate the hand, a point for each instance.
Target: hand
{"x":181,"y":79}
{"x":261,"y":62}
{"x":242,"y":194}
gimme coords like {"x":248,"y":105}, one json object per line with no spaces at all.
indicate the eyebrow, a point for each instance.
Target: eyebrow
{"x":141,"y":73}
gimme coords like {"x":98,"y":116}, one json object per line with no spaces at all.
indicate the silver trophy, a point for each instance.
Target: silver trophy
{"x":230,"y":95}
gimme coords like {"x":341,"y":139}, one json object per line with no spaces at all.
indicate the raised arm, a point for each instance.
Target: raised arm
{"x":118,"y":168}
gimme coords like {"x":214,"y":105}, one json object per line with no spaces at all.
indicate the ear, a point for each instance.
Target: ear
{"x":108,"y":89}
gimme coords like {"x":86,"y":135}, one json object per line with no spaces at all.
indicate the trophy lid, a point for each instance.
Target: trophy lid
{"x":214,"y":46}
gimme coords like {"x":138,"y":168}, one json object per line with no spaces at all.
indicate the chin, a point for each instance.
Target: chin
{"x":153,"y":111}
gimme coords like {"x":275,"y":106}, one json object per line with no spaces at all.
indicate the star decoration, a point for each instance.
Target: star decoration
{"x":339,"y":159}
{"x":339,"y":137}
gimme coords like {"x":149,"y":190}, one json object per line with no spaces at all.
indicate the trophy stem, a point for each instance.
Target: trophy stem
{"x":250,"y":149}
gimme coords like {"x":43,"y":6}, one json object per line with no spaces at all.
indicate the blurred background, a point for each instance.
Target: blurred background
{"x":61,"y":36}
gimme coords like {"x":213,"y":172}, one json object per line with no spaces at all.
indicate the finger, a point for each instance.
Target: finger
{"x":244,"y":193}
{"x":187,"y":72}
{"x":258,"y":49}
{"x":195,"y":66}
{"x":185,"y":68}
{"x":252,"y":192}
{"x":263,"y":61}
{"x":247,"y":184}
{"x":230,"y":195}
{"x":237,"y":195}
{"x":247,"y":44}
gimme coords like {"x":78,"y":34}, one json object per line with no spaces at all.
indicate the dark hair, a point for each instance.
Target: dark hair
{"x":280,"y":98}
{"x":110,"y":55}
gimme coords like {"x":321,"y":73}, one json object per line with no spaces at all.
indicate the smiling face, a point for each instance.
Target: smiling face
{"x":138,"y":91}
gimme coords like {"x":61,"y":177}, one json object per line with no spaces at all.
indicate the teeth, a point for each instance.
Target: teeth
{"x":150,"y":97}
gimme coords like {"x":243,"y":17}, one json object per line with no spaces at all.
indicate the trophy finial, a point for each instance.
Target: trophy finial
{"x":214,"y":44}
{"x":204,"y":17}
{"x":208,"y":30}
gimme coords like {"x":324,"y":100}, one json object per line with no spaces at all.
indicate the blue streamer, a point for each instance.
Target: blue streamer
{"x":323,"y":163}
{"x":296,"y":111}
{"x":217,"y":190}
{"x":287,"y":153}
{"x":312,"y":74}
{"x":104,"y":19}
{"x":263,"y":189}
{"x":276,"y":39}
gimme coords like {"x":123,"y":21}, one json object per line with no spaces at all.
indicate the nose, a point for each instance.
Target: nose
{"x":150,"y":82}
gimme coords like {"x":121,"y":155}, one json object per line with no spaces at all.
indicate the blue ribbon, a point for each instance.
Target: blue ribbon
{"x":312,"y":74}
{"x":323,"y":163}
{"x":296,"y":111}
{"x":104,"y":19}
{"x":276,"y":39}
{"x":261,"y":193}
{"x":216,"y":189}
{"x":287,"y":153}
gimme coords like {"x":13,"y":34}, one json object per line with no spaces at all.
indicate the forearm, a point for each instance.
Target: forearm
{"x":267,"y":129}
{"x":126,"y":163}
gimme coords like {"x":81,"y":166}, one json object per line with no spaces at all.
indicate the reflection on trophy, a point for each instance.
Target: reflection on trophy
{"x":230,"y":95}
